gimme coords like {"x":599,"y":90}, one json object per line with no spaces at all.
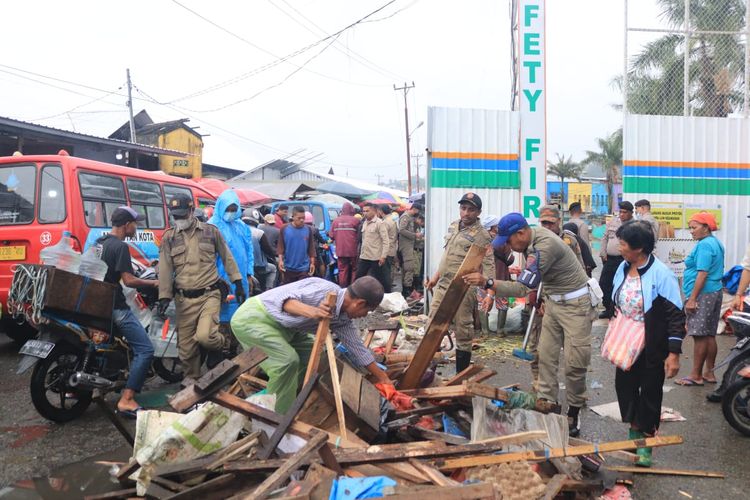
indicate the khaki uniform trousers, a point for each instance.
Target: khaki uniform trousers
{"x":409,"y":266}
{"x":197,"y":325}
{"x":463,"y":321}
{"x":566,"y":324}
{"x":533,"y":348}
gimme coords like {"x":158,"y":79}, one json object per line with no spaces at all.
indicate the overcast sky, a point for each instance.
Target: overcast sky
{"x":341,"y":104}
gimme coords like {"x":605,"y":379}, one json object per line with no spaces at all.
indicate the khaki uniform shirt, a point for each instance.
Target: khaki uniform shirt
{"x":458,"y":241}
{"x":561,"y":270}
{"x":187,"y":259}
{"x":654,"y":225}
{"x":610,"y":242}
{"x":392,"y":227}
{"x":375,"y":241}
{"x":583,"y":229}
{"x":570,"y":239}
{"x":407,"y":234}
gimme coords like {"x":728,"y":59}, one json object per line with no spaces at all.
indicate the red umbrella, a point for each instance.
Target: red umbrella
{"x":213,"y":186}
{"x":251,"y":197}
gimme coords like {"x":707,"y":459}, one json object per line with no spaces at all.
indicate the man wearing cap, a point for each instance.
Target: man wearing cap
{"x":268,"y":226}
{"x":462,"y":234}
{"x":643,"y":213}
{"x":188,"y":273}
{"x":407,"y":237}
{"x":610,"y":254}
{"x":281,"y":322}
{"x":345,"y":234}
{"x":568,"y":310}
{"x":116,"y":254}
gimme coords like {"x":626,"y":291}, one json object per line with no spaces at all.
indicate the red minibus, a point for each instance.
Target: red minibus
{"x":43,"y":195}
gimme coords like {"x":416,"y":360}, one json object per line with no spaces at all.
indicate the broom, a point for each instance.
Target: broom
{"x":522,"y":353}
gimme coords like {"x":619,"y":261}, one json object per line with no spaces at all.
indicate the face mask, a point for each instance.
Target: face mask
{"x":228,"y":216}
{"x":182,"y":224}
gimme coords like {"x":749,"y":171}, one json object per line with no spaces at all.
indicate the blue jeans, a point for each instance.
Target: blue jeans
{"x":143,"y":350}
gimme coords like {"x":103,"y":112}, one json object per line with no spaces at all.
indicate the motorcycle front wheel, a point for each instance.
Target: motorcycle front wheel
{"x":51,"y":393}
{"x":735,"y":404}
{"x":169,"y":369}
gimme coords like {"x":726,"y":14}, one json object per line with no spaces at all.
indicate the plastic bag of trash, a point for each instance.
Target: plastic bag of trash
{"x":490,"y":421}
{"x":394,"y":302}
{"x":513,"y":320}
{"x":204,"y":430}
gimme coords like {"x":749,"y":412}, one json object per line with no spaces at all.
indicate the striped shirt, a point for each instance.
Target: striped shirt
{"x":313,"y":291}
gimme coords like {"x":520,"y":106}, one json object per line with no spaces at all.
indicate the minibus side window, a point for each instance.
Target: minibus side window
{"x":52,"y":195}
{"x":101,"y":195}
{"x":17,"y":193}
{"x":146,"y":199}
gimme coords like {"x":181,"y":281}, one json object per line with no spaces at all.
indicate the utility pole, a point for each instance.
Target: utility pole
{"x":379,"y":176}
{"x":130,"y":107}
{"x":416,"y":160}
{"x":405,"y":89}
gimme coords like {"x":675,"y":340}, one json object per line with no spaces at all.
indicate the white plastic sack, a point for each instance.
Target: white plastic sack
{"x":394,"y":302}
{"x":513,"y":320}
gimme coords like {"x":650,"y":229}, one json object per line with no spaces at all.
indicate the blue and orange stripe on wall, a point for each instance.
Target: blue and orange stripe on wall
{"x":681,"y":177}
{"x":474,"y":170}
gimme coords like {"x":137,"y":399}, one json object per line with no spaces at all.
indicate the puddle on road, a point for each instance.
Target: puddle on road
{"x":73,"y":481}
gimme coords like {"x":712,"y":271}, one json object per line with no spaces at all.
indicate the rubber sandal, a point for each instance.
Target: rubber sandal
{"x":688,"y":382}
{"x":712,"y":382}
{"x":130,"y":414}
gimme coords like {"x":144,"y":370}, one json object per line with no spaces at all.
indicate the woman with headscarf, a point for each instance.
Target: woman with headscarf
{"x":702,"y":286}
{"x":226,"y":218}
{"x":644,"y":339}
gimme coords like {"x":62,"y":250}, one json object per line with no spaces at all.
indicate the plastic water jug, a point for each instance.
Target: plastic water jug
{"x":92,"y":266}
{"x":163,"y":335}
{"x":137,"y":305}
{"x":62,"y":255}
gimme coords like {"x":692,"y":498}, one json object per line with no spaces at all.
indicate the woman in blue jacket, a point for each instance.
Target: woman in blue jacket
{"x":647,"y":293}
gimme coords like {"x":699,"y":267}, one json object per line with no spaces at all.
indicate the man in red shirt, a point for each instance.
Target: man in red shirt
{"x":344,"y":232}
{"x":281,"y":215}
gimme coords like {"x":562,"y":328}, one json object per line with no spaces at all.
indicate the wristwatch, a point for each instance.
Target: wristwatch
{"x":490,"y":283}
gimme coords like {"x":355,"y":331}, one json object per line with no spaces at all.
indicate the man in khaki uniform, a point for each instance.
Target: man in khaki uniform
{"x":386,"y":215}
{"x":610,"y":255}
{"x":188,"y":273}
{"x":407,"y":237}
{"x":568,"y":310}
{"x":549,"y":217}
{"x":462,"y":234}
{"x":418,"y":281}
{"x":373,"y":256}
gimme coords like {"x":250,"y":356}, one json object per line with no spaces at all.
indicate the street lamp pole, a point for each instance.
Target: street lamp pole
{"x":405,"y":89}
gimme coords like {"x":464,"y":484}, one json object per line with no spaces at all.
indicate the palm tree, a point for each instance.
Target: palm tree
{"x":565,"y":169}
{"x":716,"y":62}
{"x":609,"y":157}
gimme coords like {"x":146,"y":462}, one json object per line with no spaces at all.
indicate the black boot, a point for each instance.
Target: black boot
{"x":573,"y":429}
{"x":406,"y":291}
{"x":463,"y":360}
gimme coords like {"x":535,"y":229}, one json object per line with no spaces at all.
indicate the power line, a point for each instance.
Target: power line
{"x":73,"y":109}
{"x":272,"y":64}
{"x":346,"y":50}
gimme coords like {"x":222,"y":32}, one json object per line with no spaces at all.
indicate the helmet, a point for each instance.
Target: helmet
{"x":200,"y":214}
{"x":309,"y":218}
{"x":251,"y":216}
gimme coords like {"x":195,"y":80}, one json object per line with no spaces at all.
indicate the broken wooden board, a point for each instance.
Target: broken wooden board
{"x":468,"y":492}
{"x":430,"y":435}
{"x":540,"y":455}
{"x":465,"y":374}
{"x":321,"y":334}
{"x":190,"y":396}
{"x":441,"y":319}
{"x":324,"y":477}
{"x":664,"y":472}
{"x":435,"y":475}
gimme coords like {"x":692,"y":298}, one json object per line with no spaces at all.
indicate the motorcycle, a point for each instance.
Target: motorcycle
{"x":735,"y":403}
{"x":738,"y":357}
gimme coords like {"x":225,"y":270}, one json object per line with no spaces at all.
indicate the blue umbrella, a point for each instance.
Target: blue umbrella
{"x":342,"y":189}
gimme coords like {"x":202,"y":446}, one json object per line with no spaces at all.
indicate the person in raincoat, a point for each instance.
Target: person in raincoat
{"x":227,"y":218}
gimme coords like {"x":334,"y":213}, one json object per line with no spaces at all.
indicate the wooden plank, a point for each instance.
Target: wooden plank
{"x":468,"y":372}
{"x":483,"y":375}
{"x":329,"y":459}
{"x":130,"y":492}
{"x":299,"y":490}
{"x":540,"y":455}
{"x":189,"y":396}
{"x":369,"y":336}
{"x":325,"y":478}
{"x":665,"y":472}
{"x":425,"y":410}
{"x":422,"y":433}
{"x":202,"y":490}
{"x":435,"y":475}
{"x":487,"y":391}
{"x":391,"y":340}
{"x":621,"y":454}
{"x":336,"y":383}
{"x":554,"y":486}
{"x":351,"y":383}
{"x":401,"y":470}
{"x":440,"y":392}
{"x":281,"y":474}
{"x":172,"y":485}
{"x":126,"y":470}
{"x":220,"y":373}
{"x":517,"y":438}
{"x":320,"y":335}
{"x":156,"y":490}
{"x":112,"y":416}
{"x":288,"y":418}
{"x":469,"y":492}
{"x":369,"y":405}
{"x":441,"y":319}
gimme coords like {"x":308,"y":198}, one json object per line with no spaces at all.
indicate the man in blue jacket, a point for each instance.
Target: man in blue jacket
{"x":227,"y":218}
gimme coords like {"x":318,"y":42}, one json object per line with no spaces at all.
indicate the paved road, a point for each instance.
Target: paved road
{"x":32,"y":447}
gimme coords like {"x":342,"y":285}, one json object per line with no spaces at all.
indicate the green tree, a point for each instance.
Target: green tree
{"x":609,"y":157}
{"x":565,"y":169}
{"x":716,"y":62}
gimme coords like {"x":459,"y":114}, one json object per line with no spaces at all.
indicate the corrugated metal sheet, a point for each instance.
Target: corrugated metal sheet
{"x":468,"y":150}
{"x":699,"y":162}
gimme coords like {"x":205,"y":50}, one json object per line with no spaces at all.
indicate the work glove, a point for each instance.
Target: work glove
{"x":239,"y":292}
{"x":161,"y":309}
